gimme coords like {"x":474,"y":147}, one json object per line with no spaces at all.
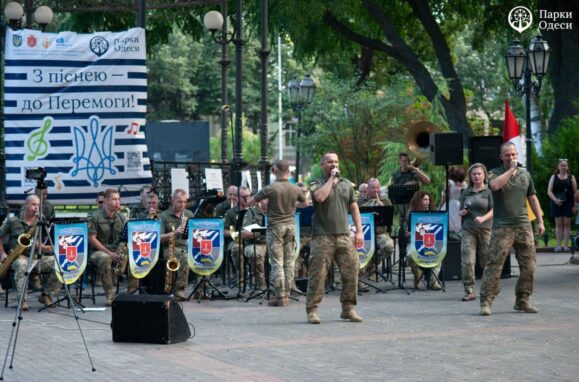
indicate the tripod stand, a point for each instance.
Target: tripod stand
{"x":383,"y":216}
{"x":35,"y":242}
{"x":400,"y":195}
{"x":203,"y":285}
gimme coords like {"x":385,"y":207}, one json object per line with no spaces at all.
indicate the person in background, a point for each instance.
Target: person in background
{"x":362,"y":191}
{"x":230,"y":201}
{"x":561,"y":190}
{"x":456,"y":185}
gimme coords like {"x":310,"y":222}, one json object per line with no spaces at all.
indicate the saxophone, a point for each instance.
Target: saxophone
{"x":173,"y":263}
{"x":24,"y":241}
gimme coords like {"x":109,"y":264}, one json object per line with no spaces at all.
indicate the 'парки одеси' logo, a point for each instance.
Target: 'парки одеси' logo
{"x":520,"y":18}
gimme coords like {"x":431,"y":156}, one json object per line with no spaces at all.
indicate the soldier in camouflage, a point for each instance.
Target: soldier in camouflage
{"x":282,"y":197}
{"x":173,"y":222}
{"x":105,"y":227}
{"x":254,"y":247}
{"x":476,"y":208}
{"x":333,"y":197}
{"x":384,"y":243}
{"x":14,"y":227}
{"x":512,"y":186}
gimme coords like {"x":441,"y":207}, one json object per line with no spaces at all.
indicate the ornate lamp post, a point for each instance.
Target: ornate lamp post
{"x":522,"y":66}
{"x":300,"y":94}
{"x":214,"y":21}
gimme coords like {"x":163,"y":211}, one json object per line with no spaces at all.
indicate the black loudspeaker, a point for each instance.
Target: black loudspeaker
{"x":451,"y":265}
{"x":505,"y":274}
{"x":154,"y":319}
{"x":446,"y":148}
{"x":485,"y":150}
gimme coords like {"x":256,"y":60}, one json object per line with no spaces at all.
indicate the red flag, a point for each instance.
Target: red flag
{"x":512,"y":132}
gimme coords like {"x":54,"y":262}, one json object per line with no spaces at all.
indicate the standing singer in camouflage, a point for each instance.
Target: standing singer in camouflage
{"x":476,"y":208}
{"x":281,"y":229}
{"x":512,"y":186}
{"x":333,"y":197}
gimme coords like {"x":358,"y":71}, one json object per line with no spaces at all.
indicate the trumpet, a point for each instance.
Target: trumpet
{"x":153,"y":215}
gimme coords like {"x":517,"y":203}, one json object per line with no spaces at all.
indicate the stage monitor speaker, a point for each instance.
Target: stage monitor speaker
{"x":154,"y":319}
{"x":485,"y":150}
{"x":446,"y":148}
{"x":451,"y":265}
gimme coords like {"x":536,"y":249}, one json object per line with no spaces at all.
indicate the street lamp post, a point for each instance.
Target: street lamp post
{"x":522,"y":65}
{"x":214,"y":22}
{"x":300,"y":95}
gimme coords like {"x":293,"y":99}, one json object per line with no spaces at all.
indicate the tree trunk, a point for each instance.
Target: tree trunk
{"x":563,"y":63}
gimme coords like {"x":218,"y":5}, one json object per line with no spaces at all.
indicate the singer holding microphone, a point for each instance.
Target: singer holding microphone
{"x":511,"y":185}
{"x":333,"y":197}
{"x":476,"y":209}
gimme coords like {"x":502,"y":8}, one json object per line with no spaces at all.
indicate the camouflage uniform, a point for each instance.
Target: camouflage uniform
{"x":476,"y":238}
{"x":108,"y":231}
{"x":170,"y":221}
{"x":332,"y":241}
{"x":281,"y":232}
{"x":384,"y":243}
{"x":14,"y":227}
{"x":222,"y":208}
{"x":511,"y":228}
{"x":256,"y":252}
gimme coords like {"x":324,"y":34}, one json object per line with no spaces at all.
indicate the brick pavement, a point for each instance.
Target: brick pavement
{"x":429,"y":336}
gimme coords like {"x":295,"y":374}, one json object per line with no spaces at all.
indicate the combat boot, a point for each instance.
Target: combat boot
{"x":525,"y":307}
{"x":485,"y":310}
{"x":277,"y":301}
{"x":35,"y":281}
{"x":25,"y":307}
{"x":348,"y":313}
{"x":313,"y":317}
{"x":110,"y":297}
{"x":45,"y":299}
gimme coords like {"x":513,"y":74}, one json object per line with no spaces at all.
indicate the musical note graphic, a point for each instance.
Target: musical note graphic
{"x":96,"y":160}
{"x":58,"y":182}
{"x":36,"y":143}
{"x":134,"y":129}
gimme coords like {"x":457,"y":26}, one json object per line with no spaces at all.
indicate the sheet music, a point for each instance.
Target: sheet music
{"x":246,"y":179}
{"x":213,"y":179}
{"x":179,"y":180}
{"x":258,"y":180}
{"x":253,"y":226}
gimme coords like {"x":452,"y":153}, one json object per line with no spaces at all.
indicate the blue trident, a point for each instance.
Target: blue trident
{"x":98,"y":159}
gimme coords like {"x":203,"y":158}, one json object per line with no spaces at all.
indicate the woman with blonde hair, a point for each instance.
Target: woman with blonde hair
{"x":476,"y":209}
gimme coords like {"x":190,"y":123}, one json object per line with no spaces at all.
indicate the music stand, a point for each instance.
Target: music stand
{"x":266,"y":293}
{"x":206,"y":202}
{"x":400,"y":195}
{"x":383,"y":217}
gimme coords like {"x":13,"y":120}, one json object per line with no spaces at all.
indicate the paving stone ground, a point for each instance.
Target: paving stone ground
{"x":421,"y":336}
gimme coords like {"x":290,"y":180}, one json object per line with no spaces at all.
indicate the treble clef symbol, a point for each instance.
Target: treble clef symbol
{"x":36,"y":144}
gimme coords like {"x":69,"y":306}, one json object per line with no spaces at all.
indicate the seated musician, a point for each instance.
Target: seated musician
{"x":252,"y":215}
{"x":384,"y":243}
{"x":105,"y":227}
{"x":152,"y":208}
{"x":141,"y":209}
{"x":16,"y":226}
{"x":173,"y":222}
{"x":230,"y":201}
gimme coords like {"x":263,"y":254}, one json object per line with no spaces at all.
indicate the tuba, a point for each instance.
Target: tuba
{"x":24,"y":241}
{"x":173,"y":263}
{"x":418,"y":140}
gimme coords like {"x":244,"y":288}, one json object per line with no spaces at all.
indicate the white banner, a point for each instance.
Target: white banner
{"x":75,"y":105}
